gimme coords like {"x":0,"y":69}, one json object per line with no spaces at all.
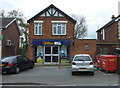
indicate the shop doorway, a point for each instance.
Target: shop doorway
{"x":51,"y":54}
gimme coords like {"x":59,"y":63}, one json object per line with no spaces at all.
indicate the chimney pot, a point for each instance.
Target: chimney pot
{"x":112,"y":17}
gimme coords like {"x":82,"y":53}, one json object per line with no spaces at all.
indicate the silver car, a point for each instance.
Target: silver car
{"x":82,"y":63}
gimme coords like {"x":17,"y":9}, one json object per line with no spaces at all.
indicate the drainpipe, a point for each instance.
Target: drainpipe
{"x":0,"y":44}
{"x":1,"y":37}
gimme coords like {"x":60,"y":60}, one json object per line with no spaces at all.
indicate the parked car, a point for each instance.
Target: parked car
{"x":82,"y":63}
{"x":15,"y":64}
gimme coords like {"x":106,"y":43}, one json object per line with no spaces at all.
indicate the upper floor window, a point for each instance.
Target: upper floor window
{"x":59,"y":27}
{"x":38,"y":27}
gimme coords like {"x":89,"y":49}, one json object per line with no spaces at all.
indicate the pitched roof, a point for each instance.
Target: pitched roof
{"x":5,"y":22}
{"x":52,"y":14}
{"x":109,"y":23}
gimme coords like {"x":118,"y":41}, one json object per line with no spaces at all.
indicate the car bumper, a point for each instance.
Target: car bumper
{"x":83,"y":69}
{"x":7,"y":69}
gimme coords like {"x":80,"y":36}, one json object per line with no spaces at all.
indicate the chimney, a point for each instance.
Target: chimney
{"x":112,"y":17}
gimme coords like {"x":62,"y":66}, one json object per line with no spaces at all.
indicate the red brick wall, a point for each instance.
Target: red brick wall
{"x":119,"y":43}
{"x":111,"y":33}
{"x":111,"y":38}
{"x":79,"y":44}
{"x":47,"y":31}
{"x":10,"y":33}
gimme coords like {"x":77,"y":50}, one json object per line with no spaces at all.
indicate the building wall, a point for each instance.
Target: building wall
{"x":47,"y":31}
{"x":108,"y":44}
{"x":47,"y":28}
{"x":119,"y":43}
{"x":79,"y":47}
{"x":10,"y":33}
{"x":110,"y":33}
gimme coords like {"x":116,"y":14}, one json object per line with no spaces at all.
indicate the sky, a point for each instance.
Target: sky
{"x":96,"y":12}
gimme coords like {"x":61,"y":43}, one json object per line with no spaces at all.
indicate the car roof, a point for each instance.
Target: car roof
{"x":13,"y":56}
{"x":82,"y":55}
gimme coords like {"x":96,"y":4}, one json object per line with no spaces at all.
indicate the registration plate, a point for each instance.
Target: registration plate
{"x":1,"y":64}
{"x":82,"y":69}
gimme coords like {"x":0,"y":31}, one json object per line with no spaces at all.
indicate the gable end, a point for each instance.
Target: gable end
{"x":51,"y":11}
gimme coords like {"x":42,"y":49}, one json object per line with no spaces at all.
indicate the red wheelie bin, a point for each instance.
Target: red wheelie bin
{"x":99,"y":64}
{"x":109,"y":63}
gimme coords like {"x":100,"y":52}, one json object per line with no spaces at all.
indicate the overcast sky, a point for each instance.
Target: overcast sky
{"x":96,"y":12}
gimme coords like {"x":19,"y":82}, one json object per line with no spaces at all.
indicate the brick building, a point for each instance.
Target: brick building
{"x":85,"y":46}
{"x":10,"y":31}
{"x":51,"y":37}
{"x":108,"y":36}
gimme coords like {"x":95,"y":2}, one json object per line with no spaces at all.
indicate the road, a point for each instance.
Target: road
{"x":52,"y":75}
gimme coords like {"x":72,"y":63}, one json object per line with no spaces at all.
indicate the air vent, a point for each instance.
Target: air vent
{"x":8,"y":43}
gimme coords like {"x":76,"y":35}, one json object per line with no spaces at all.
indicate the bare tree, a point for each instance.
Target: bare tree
{"x":80,"y":27}
{"x":2,"y":13}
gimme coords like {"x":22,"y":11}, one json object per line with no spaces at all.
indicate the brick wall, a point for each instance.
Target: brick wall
{"x":108,"y":45}
{"x":47,"y":28}
{"x":47,"y":31}
{"x":111,"y":33}
{"x":10,"y":33}
{"x":79,"y":47}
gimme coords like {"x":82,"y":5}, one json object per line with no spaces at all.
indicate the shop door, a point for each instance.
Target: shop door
{"x":51,"y":54}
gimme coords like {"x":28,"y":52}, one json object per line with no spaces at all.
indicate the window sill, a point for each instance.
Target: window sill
{"x":59,"y":35}
{"x":38,"y":35}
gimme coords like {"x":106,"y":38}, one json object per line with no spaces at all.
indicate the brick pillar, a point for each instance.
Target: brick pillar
{"x":31,"y":52}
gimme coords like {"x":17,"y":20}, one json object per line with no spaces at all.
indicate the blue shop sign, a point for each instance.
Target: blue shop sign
{"x":45,"y":42}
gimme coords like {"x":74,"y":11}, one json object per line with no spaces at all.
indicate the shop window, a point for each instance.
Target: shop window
{"x":63,"y":51}
{"x":86,"y":47}
{"x":59,"y":28}
{"x":55,"y":58}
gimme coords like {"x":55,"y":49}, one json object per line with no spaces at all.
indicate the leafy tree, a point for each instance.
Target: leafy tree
{"x":80,"y":27}
{"x":22,"y":25}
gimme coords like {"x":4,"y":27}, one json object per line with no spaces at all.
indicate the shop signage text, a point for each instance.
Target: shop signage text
{"x":51,"y":43}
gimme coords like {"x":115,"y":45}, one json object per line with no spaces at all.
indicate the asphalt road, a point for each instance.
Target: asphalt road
{"x":51,"y":75}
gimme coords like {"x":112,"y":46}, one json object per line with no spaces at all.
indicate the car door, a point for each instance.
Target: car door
{"x":22,"y":61}
{"x":27,"y":63}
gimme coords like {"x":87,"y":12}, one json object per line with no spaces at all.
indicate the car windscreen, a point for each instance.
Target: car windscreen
{"x":8,"y":59}
{"x":82,"y":58}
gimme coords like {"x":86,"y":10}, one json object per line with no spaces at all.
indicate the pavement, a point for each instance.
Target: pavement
{"x":61,"y":65}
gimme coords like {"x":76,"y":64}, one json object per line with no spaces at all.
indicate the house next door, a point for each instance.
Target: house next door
{"x":51,"y":54}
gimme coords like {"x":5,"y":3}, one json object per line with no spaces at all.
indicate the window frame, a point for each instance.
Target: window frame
{"x":86,"y":47}
{"x":39,"y":24}
{"x":61,"y":24}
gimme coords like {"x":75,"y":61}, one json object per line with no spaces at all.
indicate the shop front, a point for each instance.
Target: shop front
{"x":51,"y":51}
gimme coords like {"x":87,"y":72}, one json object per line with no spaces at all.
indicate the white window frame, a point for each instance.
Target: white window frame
{"x":57,"y":24}
{"x":103,"y":31}
{"x":39,"y":25}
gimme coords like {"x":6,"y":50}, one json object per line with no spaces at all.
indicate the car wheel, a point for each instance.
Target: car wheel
{"x":17,"y":70}
{"x":73,"y":73}
{"x":32,"y":65}
{"x":92,"y":73}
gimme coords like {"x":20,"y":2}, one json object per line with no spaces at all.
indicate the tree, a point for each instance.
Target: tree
{"x":80,"y":27}
{"x":22,"y":25}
